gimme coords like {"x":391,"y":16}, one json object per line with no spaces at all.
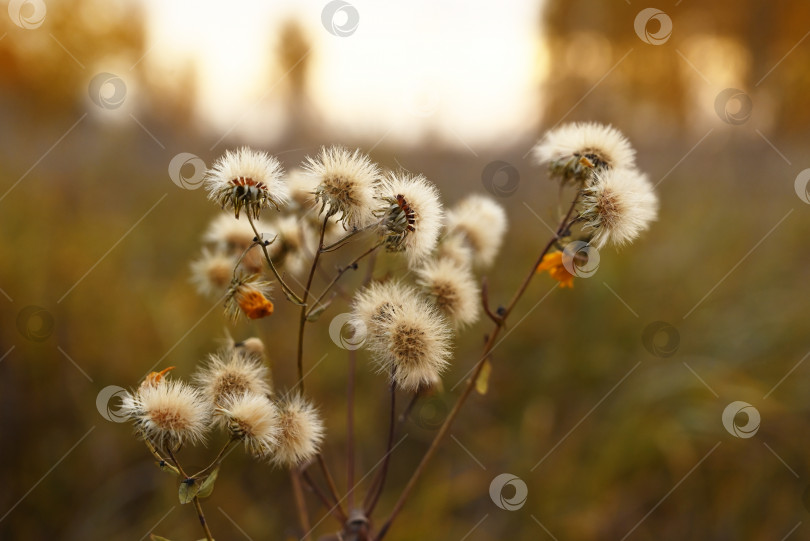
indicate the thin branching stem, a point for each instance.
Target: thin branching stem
{"x":290,"y":293}
{"x":217,"y":461}
{"x":376,"y":489}
{"x":330,"y":505}
{"x":302,"y":321}
{"x":499,"y":325}
{"x":300,"y":504}
{"x":196,"y":500}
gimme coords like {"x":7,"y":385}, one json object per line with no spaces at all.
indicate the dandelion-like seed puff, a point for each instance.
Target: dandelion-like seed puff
{"x":247,"y":179}
{"x":232,"y":373}
{"x":574,"y":150}
{"x":453,"y":289}
{"x":480,"y":223}
{"x":346,"y":184}
{"x":408,"y":337}
{"x":301,"y":432}
{"x":413,"y":218}
{"x":618,"y":206}
{"x":253,"y":419}
{"x":168,"y":413}
{"x":212,"y":273}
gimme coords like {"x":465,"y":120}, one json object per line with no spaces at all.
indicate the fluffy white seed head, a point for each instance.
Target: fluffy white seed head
{"x":618,"y":206}
{"x":452,"y":289}
{"x":603,"y":146}
{"x":408,"y":337}
{"x":168,"y":413}
{"x":302,"y":188}
{"x":234,"y":236}
{"x":413,"y":217}
{"x":373,"y":306}
{"x":482,"y":223}
{"x":289,"y":249}
{"x":345,"y":184}
{"x":247,"y":179}
{"x":211,"y":274}
{"x":456,"y":249}
{"x":230,"y":373}
{"x":252,"y":418}
{"x":301,"y":432}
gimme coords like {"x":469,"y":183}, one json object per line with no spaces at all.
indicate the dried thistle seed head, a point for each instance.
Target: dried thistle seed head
{"x":302,"y":188}
{"x":211,"y":274}
{"x":247,"y":179}
{"x":456,"y":249}
{"x":574,"y":150}
{"x":345,"y":185}
{"x":618,"y":206}
{"x":481,"y":223}
{"x":412,"y":216}
{"x":301,"y":432}
{"x":232,"y":372}
{"x":234,"y":236}
{"x":453,"y":290}
{"x":410,"y":341}
{"x":373,"y":306}
{"x":249,"y":296}
{"x":168,"y":413}
{"x":290,"y":249}
{"x":253,"y":419}
{"x":250,"y":347}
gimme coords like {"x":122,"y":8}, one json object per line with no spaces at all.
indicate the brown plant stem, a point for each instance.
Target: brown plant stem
{"x":375,"y":491}
{"x":330,"y":482}
{"x":499,"y":325}
{"x":281,"y":281}
{"x":300,"y":504}
{"x":350,"y":456}
{"x":330,"y":505}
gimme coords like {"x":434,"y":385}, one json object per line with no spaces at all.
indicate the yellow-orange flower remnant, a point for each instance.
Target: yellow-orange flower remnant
{"x":154,"y":378}
{"x":254,"y":304}
{"x":553,"y":263}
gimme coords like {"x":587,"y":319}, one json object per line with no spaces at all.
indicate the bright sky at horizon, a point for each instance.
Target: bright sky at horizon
{"x":468,"y":71}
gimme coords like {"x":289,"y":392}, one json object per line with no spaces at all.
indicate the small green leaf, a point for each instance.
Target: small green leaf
{"x":315,"y":314}
{"x":188,"y":490}
{"x":482,"y":381}
{"x":154,"y":537}
{"x":207,"y":486}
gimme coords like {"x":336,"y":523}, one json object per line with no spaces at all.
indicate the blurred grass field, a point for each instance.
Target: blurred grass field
{"x":610,"y":438}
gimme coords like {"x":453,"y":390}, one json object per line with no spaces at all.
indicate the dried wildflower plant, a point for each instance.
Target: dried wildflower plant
{"x":406,"y":320}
